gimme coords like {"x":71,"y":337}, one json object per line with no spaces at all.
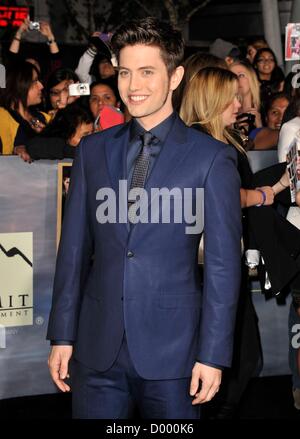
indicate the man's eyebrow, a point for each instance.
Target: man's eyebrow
{"x":140,"y":68}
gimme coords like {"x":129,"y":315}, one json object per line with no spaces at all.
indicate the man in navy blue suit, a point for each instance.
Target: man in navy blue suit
{"x":128,"y":303}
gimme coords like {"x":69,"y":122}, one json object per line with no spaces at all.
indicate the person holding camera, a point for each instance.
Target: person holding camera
{"x":57,"y":90}
{"x":45,"y":29}
{"x":249,"y":116}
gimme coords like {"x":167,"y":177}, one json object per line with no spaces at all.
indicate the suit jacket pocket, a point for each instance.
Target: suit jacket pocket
{"x":189,"y":300}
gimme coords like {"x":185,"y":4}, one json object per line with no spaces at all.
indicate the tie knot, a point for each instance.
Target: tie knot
{"x":146,"y":138}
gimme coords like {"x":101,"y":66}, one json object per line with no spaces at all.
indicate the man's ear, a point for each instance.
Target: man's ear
{"x":176,"y":77}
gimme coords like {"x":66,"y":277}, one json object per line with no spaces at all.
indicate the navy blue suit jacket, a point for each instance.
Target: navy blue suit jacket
{"x":153,"y":293}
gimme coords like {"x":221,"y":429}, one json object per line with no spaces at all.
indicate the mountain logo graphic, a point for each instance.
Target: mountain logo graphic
{"x":16,"y":279}
{"x":14,"y":251}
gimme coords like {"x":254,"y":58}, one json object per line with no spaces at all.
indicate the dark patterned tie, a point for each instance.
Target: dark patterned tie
{"x":140,"y":172}
{"x":142,"y":162}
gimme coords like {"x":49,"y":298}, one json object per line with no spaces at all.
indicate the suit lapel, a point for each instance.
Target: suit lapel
{"x":169,"y":161}
{"x":116,"y":159}
{"x":116,"y":156}
{"x":173,"y":152}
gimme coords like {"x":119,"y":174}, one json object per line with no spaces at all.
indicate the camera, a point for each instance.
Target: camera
{"x":34,"y":25}
{"x":245,"y":119}
{"x":81,"y":89}
{"x":249,"y":118}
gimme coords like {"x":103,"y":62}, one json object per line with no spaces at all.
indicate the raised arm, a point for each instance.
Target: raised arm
{"x":85,"y":62}
{"x":45,"y":29}
{"x":15,"y":44}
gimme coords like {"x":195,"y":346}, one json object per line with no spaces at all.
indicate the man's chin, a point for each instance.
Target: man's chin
{"x":136,"y":113}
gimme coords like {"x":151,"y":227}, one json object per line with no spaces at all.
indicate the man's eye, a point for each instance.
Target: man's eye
{"x":147,"y":72}
{"x":123,"y":73}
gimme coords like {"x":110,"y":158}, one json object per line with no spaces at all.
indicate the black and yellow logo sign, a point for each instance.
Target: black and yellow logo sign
{"x":16,"y":279}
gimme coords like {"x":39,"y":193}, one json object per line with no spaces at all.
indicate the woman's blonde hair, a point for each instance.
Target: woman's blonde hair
{"x":192,"y":65}
{"x":253,"y":82}
{"x":206,"y":97}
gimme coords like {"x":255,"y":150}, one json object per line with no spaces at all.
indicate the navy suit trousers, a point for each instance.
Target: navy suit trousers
{"x":114,"y":394}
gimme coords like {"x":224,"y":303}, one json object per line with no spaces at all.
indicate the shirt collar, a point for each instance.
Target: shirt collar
{"x":160,"y":131}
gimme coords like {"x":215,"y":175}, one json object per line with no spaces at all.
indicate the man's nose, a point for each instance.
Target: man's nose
{"x":135,"y":83}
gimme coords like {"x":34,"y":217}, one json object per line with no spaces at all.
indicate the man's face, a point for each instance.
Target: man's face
{"x":144,"y":84}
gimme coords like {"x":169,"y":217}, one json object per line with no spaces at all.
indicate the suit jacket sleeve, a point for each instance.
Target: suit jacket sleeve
{"x":73,"y":259}
{"x":222,"y":259}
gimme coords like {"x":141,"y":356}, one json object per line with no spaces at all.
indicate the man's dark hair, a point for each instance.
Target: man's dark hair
{"x":151,"y":32}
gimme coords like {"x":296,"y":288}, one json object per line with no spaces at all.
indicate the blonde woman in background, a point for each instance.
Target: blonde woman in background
{"x":208,"y":97}
{"x":248,"y":88}
{"x":211,"y":104}
{"x":192,"y":65}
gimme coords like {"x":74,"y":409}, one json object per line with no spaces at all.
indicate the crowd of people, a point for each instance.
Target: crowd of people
{"x":37,"y":96}
{"x":243,"y":101}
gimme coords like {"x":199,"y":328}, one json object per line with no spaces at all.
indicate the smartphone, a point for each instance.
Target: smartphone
{"x":109,"y":116}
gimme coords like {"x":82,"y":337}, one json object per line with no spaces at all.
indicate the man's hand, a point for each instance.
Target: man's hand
{"x":210,"y":378}
{"x":58,"y":362}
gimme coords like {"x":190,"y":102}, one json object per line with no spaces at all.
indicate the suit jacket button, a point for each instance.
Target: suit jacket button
{"x":130,"y":254}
